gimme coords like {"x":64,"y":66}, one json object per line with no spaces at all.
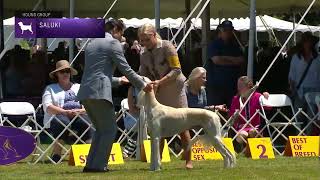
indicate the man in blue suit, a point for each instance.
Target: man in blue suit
{"x":102,"y":56}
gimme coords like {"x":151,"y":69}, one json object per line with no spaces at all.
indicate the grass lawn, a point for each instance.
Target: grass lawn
{"x":279,"y":168}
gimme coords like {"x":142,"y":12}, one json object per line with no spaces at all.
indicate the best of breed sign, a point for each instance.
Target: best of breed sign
{"x":15,"y":145}
{"x":302,"y":146}
{"x":200,"y":152}
{"x":79,"y":154}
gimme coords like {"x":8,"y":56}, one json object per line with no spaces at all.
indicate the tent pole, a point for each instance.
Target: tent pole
{"x":1,"y":42}
{"x":157,"y":14}
{"x":251,"y":38}
{"x":185,"y":20}
{"x":205,"y":19}
{"x":196,"y":19}
{"x":71,"y":40}
{"x":1,"y":26}
{"x":44,"y":41}
{"x":294,"y":25}
{"x":188,"y":40}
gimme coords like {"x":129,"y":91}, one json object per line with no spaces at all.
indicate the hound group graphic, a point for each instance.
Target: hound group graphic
{"x":25,"y":27}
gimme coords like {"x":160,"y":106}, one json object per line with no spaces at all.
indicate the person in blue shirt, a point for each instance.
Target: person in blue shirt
{"x":223,"y":66}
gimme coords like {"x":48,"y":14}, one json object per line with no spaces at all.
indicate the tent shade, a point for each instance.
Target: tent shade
{"x":168,"y":8}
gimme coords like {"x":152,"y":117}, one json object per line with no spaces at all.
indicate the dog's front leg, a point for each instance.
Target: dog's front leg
{"x":155,"y":154}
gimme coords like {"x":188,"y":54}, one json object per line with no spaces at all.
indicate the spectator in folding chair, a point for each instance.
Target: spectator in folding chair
{"x":59,"y":99}
{"x":304,"y":75}
{"x":130,"y":121}
{"x":196,"y":93}
{"x":250,"y":130}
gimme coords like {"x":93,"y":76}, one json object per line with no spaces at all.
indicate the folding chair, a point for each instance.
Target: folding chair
{"x":317,"y":100}
{"x":44,"y":148}
{"x":278,"y":101}
{"x":313,"y":101}
{"x":130,"y":127}
{"x":20,"y":109}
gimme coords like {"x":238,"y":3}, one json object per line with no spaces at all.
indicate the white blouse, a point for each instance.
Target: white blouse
{"x":54,"y":95}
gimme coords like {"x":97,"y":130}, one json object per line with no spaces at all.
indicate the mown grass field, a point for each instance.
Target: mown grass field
{"x":279,"y":168}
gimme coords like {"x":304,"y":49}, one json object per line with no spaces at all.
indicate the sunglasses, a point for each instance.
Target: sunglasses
{"x":65,"y":71}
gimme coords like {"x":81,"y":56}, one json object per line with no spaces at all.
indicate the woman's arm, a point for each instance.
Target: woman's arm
{"x":52,"y":109}
{"x":49,"y":107}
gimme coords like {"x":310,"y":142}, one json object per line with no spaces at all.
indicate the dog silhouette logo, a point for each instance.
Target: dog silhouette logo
{"x":7,"y":148}
{"x":25,"y":27}
{"x":15,"y":145}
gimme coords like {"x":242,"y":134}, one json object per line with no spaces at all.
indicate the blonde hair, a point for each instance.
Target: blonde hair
{"x":195,"y":73}
{"x":148,"y":29}
{"x":246,"y":81}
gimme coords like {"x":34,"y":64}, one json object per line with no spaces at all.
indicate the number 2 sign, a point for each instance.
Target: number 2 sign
{"x":260,"y":148}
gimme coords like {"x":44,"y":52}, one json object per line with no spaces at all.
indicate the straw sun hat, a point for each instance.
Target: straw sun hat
{"x":61,"y":65}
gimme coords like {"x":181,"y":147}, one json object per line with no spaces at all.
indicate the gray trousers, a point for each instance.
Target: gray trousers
{"x":101,"y":113}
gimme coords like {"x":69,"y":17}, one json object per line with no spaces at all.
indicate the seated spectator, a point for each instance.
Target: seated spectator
{"x":250,"y":130}
{"x":130,"y":121}
{"x":196,"y":93}
{"x":60,"y":99}
{"x":304,"y":75}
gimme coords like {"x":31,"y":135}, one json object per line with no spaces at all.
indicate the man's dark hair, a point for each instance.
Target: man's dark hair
{"x":115,"y":23}
{"x":307,"y":37}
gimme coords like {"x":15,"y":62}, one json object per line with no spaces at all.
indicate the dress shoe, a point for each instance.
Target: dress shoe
{"x":91,"y":170}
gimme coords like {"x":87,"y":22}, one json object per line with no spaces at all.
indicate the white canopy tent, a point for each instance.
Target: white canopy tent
{"x":240,"y":24}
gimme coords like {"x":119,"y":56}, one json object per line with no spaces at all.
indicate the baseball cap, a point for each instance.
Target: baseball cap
{"x":226,"y":25}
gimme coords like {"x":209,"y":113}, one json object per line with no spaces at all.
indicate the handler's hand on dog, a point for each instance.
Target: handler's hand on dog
{"x":124,"y":80}
{"x":156,"y":85}
{"x":222,"y":108}
{"x":148,"y":87}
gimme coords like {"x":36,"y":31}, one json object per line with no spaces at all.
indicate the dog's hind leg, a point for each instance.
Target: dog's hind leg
{"x":155,"y":154}
{"x":229,"y":159}
{"x":213,"y":132}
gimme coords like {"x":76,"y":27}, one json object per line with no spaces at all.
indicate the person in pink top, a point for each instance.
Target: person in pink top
{"x":251,"y":129}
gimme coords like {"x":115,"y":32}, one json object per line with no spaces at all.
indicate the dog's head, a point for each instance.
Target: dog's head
{"x":141,"y":95}
{"x":20,"y":23}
